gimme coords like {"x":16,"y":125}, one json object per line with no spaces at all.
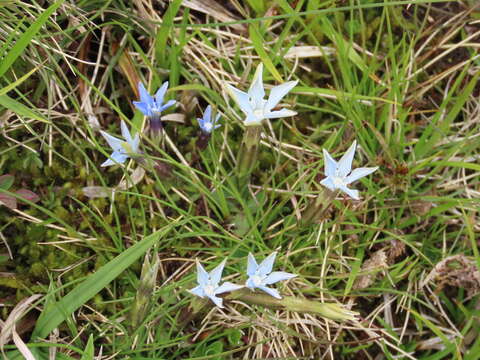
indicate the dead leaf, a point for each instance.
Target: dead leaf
{"x":8,"y":200}
{"x":176,"y":117}
{"x":370,"y":269}
{"x":215,"y":10}
{"x":28,"y":195}
{"x":8,"y":327}
{"x":133,"y":180}
{"x":93,"y":192}
{"x":458,"y":271}
{"x":309,"y":52}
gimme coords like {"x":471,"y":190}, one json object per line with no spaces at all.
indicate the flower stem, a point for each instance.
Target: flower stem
{"x":332,"y":311}
{"x":202,"y":140}
{"x":316,"y":208}
{"x":248,"y":154}
{"x":146,"y":285}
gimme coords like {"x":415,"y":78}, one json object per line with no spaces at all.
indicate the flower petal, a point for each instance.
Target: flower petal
{"x":277,"y":94}
{"x":145,"y":96}
{"x":108,"y":162}
{"x":252,"y":120}
{"x":207,"y":115}
{"x":218,"y":301}
{"x":135,"y":144}
{"x":161,"y":94}
{"x":271,"y":292}
{"x":328,"y":183}
{"x":345,"y":163}
{"x":330,"y":164}
{"x":125,"y":132}
{"x":115,"y":159}
{"x":250,"y":284}
{"x":216,"y":274}
{"x":359,"y":173}
{"x":256,"y":91}
{"x":277,"y":276}
{"x":267,"y":264}
{"x":197,"y":291}
{"x":202,"y":275}
{"x":227,"y":287}
{"x":280,"y":114}
{"x":167,"y":105}
{"x":143,"y":107}
{"x":354,"y":194}
{"x":240,"y":98}
{"x":252,"y":265}
{"x":115,"y":143}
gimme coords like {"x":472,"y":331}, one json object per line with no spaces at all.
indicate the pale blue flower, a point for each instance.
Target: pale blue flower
{"x":340,"y":174}
{"x":207,"y":123}
{"x":122,"y":149}
{"x":209,"y":284}
{"x":253,"y":104}
{"x":152,"y":106}
{"x":259,"y":276}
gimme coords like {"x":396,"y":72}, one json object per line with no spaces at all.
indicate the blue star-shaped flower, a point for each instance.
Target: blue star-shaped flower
{"x":340,"y":174}
{"x":208,"y":284}
{"x":207,"y":123}
{"x":122,"y":149}
{"x":152,"y":106}
{"x":253,"y":104}
{"x":259,"y":276}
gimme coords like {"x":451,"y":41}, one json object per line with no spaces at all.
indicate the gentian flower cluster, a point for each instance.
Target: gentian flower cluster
{"x":152,"y":107}
{"x":259,"y":276}
{"x":256,"y":108}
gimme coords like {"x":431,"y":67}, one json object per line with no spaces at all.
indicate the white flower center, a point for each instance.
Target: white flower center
{"x":338,"y":181}
{"x":208,"y":126}
{"x":209,"y":290}
{"x":257,"y":280}
{"x":258,"y":114}
{"x":126,"y":148}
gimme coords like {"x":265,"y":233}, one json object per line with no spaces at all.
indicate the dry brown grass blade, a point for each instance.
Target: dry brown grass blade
{"x":8,"y":327}
{"x":215,"y":10}
{"x":126,"y":66}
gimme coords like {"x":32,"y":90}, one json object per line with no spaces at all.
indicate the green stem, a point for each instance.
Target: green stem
{"x":317,"y":207}
{"x":331,"y":311}
{"x":248,"y":154}
{"x":146,"y":285}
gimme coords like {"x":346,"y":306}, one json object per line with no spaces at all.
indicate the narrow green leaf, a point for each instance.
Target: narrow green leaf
{"x":440,"y":123}
{"x":164,"y":32}
{"x":357,"y":265}
{"x":6,"y":181}
{"x":88,"y":353}
{"x":26,"y":37}
{"x":20,"y":109}
{"x":338,"y":94}
{"x":344,"y":46}
{"x":257,"y":5}
{"x":57,"y":312}
{"x":13,"y":85}
{"x":258,"y":45}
